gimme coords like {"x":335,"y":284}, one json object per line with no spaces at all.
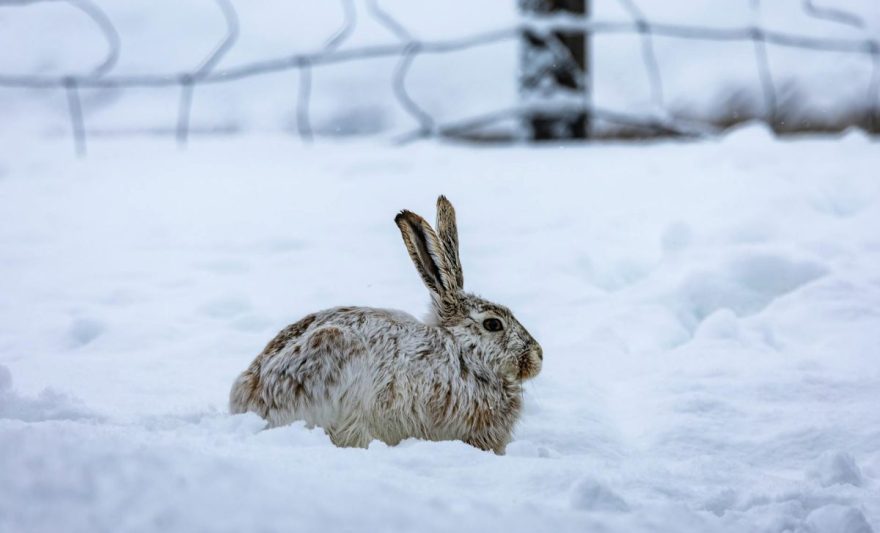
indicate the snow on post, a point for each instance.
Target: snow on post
{"x":553,"y":68}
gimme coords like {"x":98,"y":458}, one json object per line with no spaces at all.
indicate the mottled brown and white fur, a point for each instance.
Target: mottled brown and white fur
{"x":362,"y":373}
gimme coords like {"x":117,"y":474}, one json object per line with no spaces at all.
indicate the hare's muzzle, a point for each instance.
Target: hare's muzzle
{"x":530,"y":362}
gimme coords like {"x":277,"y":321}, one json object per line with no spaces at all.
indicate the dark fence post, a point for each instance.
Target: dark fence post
{"x":554,"y":68}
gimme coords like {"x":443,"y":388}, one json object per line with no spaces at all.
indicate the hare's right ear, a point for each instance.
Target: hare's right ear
{"x":427,"y":253}
{"x":448,"y":233}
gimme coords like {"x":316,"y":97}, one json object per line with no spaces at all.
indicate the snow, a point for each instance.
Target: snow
{"x":708,"y":311}
{"x":837,"y":467}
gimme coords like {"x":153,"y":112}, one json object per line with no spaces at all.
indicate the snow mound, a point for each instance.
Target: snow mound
{"x":836,"y":467}
{"x":48,"y":405}
{"x":836,"y":518}
{"x":746,"y":282}
{"x":720,"y":324}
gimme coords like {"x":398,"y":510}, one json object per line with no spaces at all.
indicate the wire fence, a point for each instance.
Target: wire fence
{"x":407,"y":49}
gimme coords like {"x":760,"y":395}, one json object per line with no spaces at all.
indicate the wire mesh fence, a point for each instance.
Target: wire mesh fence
{"x":540,"y":29}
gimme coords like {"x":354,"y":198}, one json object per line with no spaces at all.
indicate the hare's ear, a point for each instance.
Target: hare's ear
{"x":447,"y":231}
{"x":427,"y":253}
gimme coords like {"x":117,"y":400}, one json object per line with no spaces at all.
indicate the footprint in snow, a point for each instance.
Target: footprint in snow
{"x":82,"y":331}
{"x":590,"y":495}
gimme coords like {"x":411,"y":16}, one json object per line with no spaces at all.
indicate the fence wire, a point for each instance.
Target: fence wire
{"x":408,"y":48}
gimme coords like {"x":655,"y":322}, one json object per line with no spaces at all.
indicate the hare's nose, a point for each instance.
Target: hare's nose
{"x":539,"y":352}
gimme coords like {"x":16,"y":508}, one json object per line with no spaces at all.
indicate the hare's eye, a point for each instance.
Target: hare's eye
{"x":493,"y":324}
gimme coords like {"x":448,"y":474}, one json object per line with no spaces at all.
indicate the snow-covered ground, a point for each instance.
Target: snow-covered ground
{"x":709,"y":312}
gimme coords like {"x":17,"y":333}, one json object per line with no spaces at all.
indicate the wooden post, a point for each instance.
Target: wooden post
{"x":554,"y":68}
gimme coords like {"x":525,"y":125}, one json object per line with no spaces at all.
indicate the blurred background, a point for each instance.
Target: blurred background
{"x":473,"y":69}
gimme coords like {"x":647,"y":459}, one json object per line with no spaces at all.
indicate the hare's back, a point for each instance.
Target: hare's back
{"x":351,"y":323}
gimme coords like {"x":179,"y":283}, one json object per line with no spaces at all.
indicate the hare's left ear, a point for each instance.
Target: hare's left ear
{"x":447,"y":232}
{"x":427,"y":254}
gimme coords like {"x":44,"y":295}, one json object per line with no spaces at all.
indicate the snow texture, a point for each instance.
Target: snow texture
{"x":709,"y":313}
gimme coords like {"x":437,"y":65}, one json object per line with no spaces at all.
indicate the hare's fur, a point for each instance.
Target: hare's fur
{"x":363,"y":373}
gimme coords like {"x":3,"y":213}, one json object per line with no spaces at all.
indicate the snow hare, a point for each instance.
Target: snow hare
{"x":362,"y":373}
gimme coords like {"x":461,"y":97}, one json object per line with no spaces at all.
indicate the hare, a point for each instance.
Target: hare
{"x":363,"y":373}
